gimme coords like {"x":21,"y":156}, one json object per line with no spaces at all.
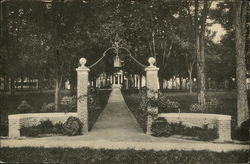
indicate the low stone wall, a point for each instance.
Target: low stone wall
{"x":17,"y":121}
{"x":221,"y":122}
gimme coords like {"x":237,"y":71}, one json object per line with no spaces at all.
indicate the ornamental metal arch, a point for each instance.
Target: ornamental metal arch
{"x":116,"y":47}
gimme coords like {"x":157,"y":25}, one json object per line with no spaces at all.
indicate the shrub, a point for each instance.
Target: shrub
{"x":197,"y":108}
{"x":4,"y":128}
{"x":165,"y":105}
{"x":161,"y":127}
{"x":72,"y":126}
{"x":32,"y":131}
{"x":48,"y":107}
{"x":212,"y":105}
{"x":45,"y":127}
{"x":204,"y":133}
{"x":143,"y":99}
{"x":162,"y":102}
{"x":57,"y":128}
{"x":44,"y":108}
{"x":24,"y":107}
{"x":69,"y":103}
{"x":92,"y":95}
{"x":242,"y":133}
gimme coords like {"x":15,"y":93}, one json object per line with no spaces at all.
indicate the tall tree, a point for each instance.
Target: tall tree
{"x":200,"y":29}
{"x":240,"y":11}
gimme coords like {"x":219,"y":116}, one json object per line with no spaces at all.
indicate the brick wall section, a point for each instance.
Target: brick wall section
{"x":221,"y":122}
{"x":18,"y":121}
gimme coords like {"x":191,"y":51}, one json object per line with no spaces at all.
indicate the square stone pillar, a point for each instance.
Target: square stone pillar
{"x":152,"y":84}
{"x":224,"y":128}
{"x":82,"y":94}
{"x":14,"y":126}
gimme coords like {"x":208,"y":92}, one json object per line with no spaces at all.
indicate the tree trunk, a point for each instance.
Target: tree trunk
{"x":201,"y":72}
{"x":12,"y":86}
{"x":173,"y":87}
{"x":181,"y":81}
{"x":57,"y":95}
{"x":22,"y":81}
{"x":94,"y":81}
{"x":6,"y":83}
{"x":190,"y":82}
{"x":161,"y":80}
{"x":200,"y":33}
{"x":240,"y":27}
{"x":140,"y":80}
{"x":72,"y":87}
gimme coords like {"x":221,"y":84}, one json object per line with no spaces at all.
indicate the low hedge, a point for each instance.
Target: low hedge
{"x":242,"y":133}
{"x":71,"y":127}
{"x":87,"y":155}
{"x":45,"y":127}
{"x":161,"y":127}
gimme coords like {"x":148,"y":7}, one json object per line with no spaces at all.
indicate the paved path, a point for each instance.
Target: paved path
{"x":116,"y":128}
{"x":116,"y":122}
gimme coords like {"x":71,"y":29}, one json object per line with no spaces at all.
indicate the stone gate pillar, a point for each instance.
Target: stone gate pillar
{"x":82,"y":91}
{"x":152,"y":84}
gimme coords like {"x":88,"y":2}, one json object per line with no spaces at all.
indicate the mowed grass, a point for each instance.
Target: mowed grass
{"x":101,"y":101}
{"x":87,"y":155}
{"x":9,"y":105}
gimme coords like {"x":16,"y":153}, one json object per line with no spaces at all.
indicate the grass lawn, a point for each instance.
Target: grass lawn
{"x":87,"y":155}
{"x":101,"y":99}
{"x":133,"y":103}
{"x":36,"y":100}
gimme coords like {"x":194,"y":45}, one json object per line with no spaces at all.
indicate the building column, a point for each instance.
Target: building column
{"x":82,"y":92}
{"x":122,"y":76}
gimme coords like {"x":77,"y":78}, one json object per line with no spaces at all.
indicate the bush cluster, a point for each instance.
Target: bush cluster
{"x":92,"y":98}
{"x":143,"y":99}
{"x":165,"y":105}
{"x":211,"y":106}
{"x":71,"y":127}
{"x":45,"y":127}
{"x":162,"y":102}
{"x":69,"y":103}
{"x":50,"y":107}
{"x":242,"y":133}
{"x":161,"y":127}
{"x":24,"y":107}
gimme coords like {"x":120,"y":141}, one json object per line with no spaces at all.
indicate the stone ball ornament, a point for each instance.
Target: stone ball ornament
{"x":82,"y":61}
{"x":151,"y":61}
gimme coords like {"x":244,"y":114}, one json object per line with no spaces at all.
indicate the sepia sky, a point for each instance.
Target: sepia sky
{"x":220,"y":31}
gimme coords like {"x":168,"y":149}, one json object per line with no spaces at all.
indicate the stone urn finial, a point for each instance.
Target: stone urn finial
{"x":82,"y":61}
{"x":151,"y":61}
